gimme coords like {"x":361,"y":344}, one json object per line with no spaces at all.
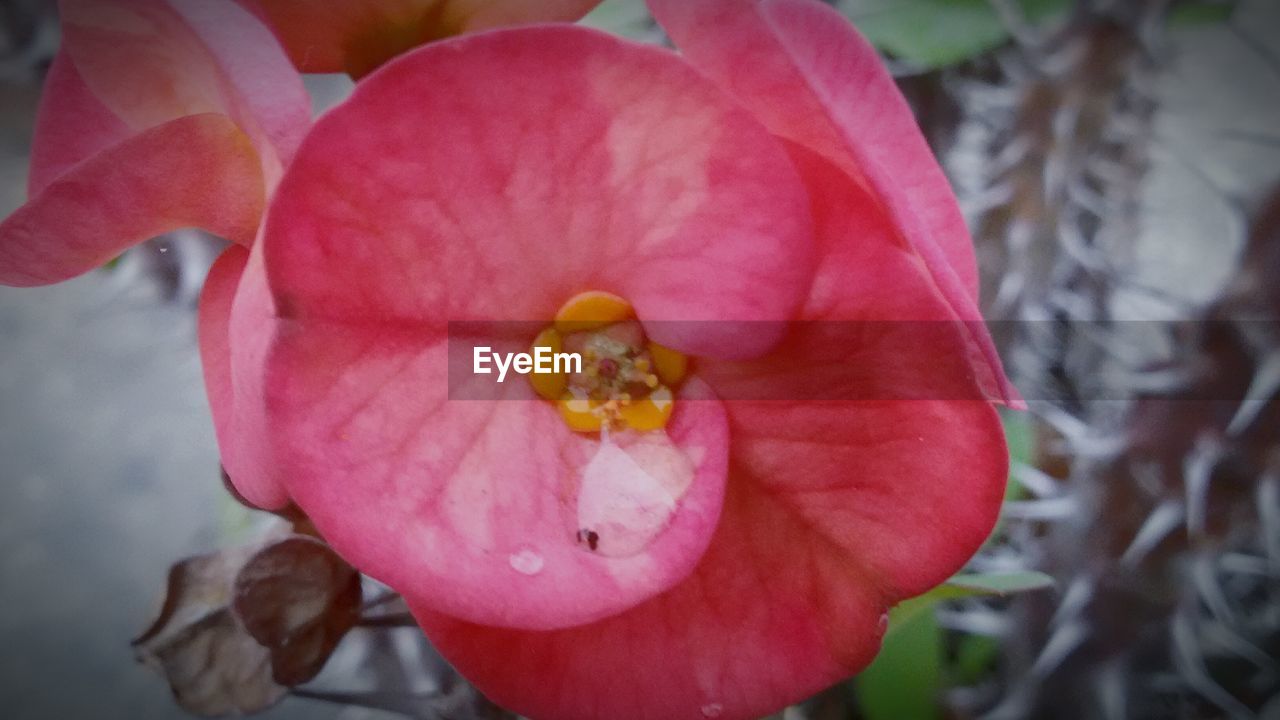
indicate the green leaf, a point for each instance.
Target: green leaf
{"x":969,"y":585}
{"x":937,"y":33}
{"x":992,"y":584}
{"x":904,"y":681}
{"x":975,"y":654}
{"x":1204,"y":12}
{"x":628,"y":18}
{"x":1020,"y":437}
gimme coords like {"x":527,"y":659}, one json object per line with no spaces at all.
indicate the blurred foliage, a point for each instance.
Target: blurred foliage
{"x":904,"y":681}
{"x":935,"y":33}
{"x":1200,"y":12}
{"x":913,"y":666}
{"x":629,"y":18}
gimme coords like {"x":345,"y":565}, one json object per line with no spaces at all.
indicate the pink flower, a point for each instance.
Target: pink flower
{"x":706,"y":554}
{"x":356,"y":36}
{"x":156,"y":115}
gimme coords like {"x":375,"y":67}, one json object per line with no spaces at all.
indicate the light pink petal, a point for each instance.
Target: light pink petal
{"x":596,"y":164}
{"x":150,"y":61}
{"x":232,"y":345}
{"x":814,"y":80}
{"x":780,"y":607}
{"x":474,"y":506}
{"x":771,"y":615}
{"x":878,"y":341}
{"x":72,"y":124}
{"x":356,"y":36}
{"x":215,"y":341}
{"x":197,"y":171}
{"x":157,"y":115}
{"x":835,"y":510}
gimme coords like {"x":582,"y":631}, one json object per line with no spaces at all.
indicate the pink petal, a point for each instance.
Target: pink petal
{"x":595,"y":164}
{"x":435,"y":193}
{"x":472,"y":506}
{"x":150,"y":61}
{"x":356,"y":36}
{"x":233,"y":372}
{"x":215,"y":341}
{"x":835,"y":511}
{"x":72,"y":124}
{"x":772,"y":615}
{"x":157,"y":115}
{"x":783,"y":604}
{"x":875,"y":329}
{"x":133,"y":191}
{"x":816,"y":81}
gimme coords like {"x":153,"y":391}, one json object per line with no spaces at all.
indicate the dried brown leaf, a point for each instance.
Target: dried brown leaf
{"x":297,"y":598}
{"x":240,"y":626}
{"x":213,"y":666}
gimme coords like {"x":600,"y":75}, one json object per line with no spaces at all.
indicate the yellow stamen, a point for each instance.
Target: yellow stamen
{"x":651,"y":413}
{"x":625,"y":381}
{"x":549,"y":385}
{"x":670,"y":365}
{"x":590,"y":311}
{"x":580,"y":415}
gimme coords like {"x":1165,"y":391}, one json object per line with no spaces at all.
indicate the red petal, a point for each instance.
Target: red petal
{"x":816,"y":81}
{"x":215,"y":341}
{"x":911,"y":480}
{"x":235,"y":304}
{"x":150,"y":61}
{"x":436,"y":194}
{"x":135,"y":190}
{"x":596,"y":164}
{"x":472,"y":507}
{"x":157,"y":115}
{"x":835,"y":510}
{"x":72,"y":124}
{"x":356,"y":36}
{"x":773,"y":614}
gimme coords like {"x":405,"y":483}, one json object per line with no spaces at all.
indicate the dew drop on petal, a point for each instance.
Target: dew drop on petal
{"x":629,"y":494}
{"x":712,"y":710}
{"x":526,"y":562}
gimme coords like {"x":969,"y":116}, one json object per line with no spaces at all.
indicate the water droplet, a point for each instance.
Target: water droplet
{"x":883,"y":625}
{"x":628,"y":495}
{"x":526,"y":562}
{"x":712,"y":710}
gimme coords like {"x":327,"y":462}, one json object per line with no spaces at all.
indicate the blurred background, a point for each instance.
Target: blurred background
{"x":1119,"y":163}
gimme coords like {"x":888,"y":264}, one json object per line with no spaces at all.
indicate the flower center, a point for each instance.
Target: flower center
{"x":626,"y":380}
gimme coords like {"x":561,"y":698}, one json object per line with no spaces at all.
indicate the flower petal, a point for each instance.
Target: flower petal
{"x":215,"y":341}
{"x":877,"y":339}
{"x":71,"y":125}
{"x":781,"y":606}
{"x":235,"y":304}
{"x":150,"y":61}
{"x":133,"y":191}
{"x":356,"y":36}
{"x":772,"y":615}
{"x":475,"y":506}
{"x":596,"y":164}
{"x":834,"y":511}
{"x":814,"y":80}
